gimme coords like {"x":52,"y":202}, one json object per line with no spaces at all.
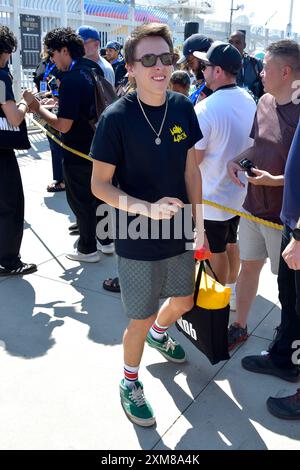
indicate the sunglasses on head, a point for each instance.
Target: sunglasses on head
{"x":149,"y":60}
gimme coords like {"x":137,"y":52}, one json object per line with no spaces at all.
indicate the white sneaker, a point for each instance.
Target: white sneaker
{"x":106,"y":249}
{"x":89,"y":258}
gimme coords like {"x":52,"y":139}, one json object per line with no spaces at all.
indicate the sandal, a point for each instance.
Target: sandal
{"x":112,"y":285}
{"x":56,"y":187}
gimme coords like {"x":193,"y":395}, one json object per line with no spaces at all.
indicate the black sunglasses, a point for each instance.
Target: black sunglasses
{"x":149,"y":60}
{"x":51,"y":52}
{"x":203,"y":66}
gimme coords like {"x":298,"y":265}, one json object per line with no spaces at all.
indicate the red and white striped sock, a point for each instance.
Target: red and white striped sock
{"x":131,"y":375}
{"x":157,"y":331}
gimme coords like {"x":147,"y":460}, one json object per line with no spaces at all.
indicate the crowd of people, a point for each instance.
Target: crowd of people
{"x":213,"y":124}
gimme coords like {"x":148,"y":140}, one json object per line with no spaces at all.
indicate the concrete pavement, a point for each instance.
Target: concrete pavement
{"x":61,"y":355}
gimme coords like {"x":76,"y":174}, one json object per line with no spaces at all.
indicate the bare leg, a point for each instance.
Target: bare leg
{"x":246,"y":289}
{"x":136,"y":333}
{"x":174,"y":308}
{"x":220,"y":264}
{"x":233,"y":253}
{"x":134,"y":340}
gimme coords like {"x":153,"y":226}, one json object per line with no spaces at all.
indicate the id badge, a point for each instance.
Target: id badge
{"x":43,"y":87}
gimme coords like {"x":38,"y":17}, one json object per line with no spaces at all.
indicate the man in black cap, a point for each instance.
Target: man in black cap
{"x":226,"y":119}
{"x":196,"y":42}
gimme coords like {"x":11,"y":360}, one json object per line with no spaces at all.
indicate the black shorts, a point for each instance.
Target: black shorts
{"x":219,"y":233}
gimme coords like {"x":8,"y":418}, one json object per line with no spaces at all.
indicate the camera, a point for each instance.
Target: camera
{"x":247,"y":165}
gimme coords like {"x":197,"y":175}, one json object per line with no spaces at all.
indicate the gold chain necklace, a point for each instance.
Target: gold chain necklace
{"x":158,"y":139}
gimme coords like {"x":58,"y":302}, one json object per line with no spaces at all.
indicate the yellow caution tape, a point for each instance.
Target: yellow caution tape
{"x":59,"y":142}
{"x":208,"y":203}
{"x":244,"y":215}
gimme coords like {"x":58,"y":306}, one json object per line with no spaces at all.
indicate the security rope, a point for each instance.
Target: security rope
{"x":208,"y":203}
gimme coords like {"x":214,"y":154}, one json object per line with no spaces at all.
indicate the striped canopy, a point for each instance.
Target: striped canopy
{"x":121,"y":12}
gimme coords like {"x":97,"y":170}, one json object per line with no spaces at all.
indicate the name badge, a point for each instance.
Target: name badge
{"x":43,"y":87}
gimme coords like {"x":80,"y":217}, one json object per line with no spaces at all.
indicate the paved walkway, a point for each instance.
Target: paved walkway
{"x":61,"y":355}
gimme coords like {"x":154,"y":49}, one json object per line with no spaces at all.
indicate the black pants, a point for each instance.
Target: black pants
{"x":57,"y":157}
{"x":77,"y":177}
{"x":289,"y":295}
{"x":11,"y":210}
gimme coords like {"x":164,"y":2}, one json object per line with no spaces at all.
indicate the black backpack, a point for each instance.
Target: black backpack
{"x":105,"y":95}
{"x":104,"y":92}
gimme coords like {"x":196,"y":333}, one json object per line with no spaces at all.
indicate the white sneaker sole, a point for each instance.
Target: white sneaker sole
{"x":109,"y":250}
{"x":94,"y":259}
{"x":140,"y":422}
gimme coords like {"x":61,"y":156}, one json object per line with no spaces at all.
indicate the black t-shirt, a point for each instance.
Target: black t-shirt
{"x":120,"y":71}
{"x":77,"y":102}
{"x":6,"y":93}
{"x":6,"y":78}
{"x":145,"y":170}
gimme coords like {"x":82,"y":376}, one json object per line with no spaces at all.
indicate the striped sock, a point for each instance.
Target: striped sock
{"x":157,"y":331}
{"x":131,"y":375}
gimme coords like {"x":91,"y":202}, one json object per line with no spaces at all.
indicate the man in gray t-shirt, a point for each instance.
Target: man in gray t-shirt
{"x":91,"y":40}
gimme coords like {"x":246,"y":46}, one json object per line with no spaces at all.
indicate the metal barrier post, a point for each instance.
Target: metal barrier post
{"x":16,"y":58}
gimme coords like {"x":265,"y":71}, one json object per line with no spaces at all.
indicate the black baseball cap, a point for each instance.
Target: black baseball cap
{"x":224,"y":55}
{"x":196,"y":42}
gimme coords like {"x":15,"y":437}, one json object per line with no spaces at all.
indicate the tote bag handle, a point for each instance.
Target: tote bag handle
{"x":199,"y":275}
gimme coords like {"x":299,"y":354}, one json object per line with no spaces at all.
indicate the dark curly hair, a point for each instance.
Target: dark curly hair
{"x":8,"y":41}
{"x":58,"y":38}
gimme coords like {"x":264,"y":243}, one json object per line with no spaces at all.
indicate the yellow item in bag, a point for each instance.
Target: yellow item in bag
{"x":212,"y":295}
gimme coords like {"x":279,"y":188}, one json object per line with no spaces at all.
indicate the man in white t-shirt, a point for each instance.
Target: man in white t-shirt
{"x":91,"y":40}
{"x":226,"y":118}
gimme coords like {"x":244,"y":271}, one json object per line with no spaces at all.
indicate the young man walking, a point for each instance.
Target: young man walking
{"x":147,"y":139}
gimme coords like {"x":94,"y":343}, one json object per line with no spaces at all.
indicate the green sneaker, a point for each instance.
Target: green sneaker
{"x":135,"y":405}
{"x":169,"y":348}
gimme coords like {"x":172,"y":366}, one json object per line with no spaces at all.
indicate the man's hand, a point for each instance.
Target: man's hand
{"x":28,"y":96}
{"x":50,"y":102}
{"x":264,"y":178}
{"x":165,"y":208}
{"x":34,"y":106}
{"x":291,"y":255}
{"x":233,"y":168}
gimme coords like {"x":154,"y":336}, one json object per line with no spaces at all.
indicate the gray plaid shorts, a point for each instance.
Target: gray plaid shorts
{"x":144,"y":283}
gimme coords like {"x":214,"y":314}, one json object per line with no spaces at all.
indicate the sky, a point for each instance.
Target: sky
{"x":261,"y":11}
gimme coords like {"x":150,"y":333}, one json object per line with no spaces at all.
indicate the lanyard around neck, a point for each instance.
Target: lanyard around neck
{"x":194,"y":96}
{"x":48,"y":70}
{"x":72,"y":65}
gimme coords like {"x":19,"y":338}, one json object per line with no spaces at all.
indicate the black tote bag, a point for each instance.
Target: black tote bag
{"x":206,"y":325}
